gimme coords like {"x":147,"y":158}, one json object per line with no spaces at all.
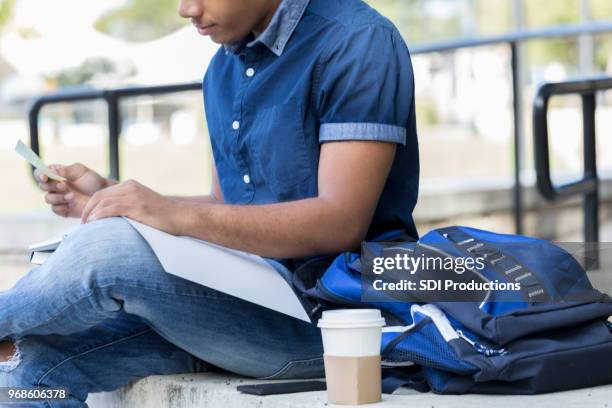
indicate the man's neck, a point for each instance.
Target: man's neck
{"x":263,"y":24}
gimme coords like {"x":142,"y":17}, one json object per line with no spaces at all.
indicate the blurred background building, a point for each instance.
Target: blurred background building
{"x":464,"y":103}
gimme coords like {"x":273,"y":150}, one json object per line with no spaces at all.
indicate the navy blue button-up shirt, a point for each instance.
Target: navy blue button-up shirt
{"x":323,"y":70}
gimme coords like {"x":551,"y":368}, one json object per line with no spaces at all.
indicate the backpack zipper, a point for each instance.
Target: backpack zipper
{"x":484,"y":350}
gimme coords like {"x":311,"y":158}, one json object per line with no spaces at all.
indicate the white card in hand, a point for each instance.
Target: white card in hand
{"x":32,"y":158}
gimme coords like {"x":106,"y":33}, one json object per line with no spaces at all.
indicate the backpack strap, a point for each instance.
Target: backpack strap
{"x":396,"y":235}
{"x":305,"y":279}
{"x":411,"y":376}
{"x":504,"y":264}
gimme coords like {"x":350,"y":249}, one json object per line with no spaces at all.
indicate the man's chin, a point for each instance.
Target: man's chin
{"x":219,"y":38}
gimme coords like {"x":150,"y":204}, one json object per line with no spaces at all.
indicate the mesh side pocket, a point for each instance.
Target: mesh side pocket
{"x":426,"y":347}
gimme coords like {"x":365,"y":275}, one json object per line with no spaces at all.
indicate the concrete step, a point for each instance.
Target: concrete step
{"x":218,"y":391}
{"x":215,"y":390}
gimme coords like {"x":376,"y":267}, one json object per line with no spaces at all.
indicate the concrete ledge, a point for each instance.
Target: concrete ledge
{"x":484,"y":205}
{"x":218,"y":391}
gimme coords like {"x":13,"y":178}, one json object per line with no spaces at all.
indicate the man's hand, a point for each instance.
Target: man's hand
{"x":69,"y":198}
{"x":135,"y":201}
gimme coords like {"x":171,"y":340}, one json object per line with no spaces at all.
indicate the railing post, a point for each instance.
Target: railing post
{"x":588,"y":186}
{"x":114,"y":129}
{"x":517,"y":106}
{"x":33,"y":113}
{"x":591,"y":199}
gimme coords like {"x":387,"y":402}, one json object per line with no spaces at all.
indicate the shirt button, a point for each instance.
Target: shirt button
{"x":250,"y":72}
{"x":246,"y":178}
{"x":235,"y":125}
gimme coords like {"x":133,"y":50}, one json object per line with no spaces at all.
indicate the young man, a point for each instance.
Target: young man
{"x":310,"y":109}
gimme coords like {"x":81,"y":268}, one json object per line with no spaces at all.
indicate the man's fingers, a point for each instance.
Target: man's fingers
{"x":100,"y":207}
{"x":39,"y":176}
{"x":55,"y":198}
{"x":53,"y":186}
{"x":71,"y":172}
{"x":57,"y":168}
{"x":45,"y":186}
{"x":111,"y":210}
{"x":61,"y":209}
{"x":91,"y":204}
{"x":98,"y":199}
{"x":105,"y":194}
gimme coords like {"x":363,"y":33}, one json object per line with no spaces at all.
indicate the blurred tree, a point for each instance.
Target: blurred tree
{"x":546,"y":13}
{"x":413,"y":19}
{"x":493,"y":16}
{"x":141,"y":20}
{"x":6,"y":11}
{"x":540,"y":13}
{"x":602,"y":10}
{"x":89,"y":70}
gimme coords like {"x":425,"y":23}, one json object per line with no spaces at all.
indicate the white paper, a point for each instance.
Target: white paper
{"x":246,"y":276}
{"x":52,"y":243}
{"x":49,"y":245}
{"x":39,"y":258}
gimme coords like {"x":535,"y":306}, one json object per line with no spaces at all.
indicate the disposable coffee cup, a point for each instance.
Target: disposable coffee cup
{"x":351,"y":348}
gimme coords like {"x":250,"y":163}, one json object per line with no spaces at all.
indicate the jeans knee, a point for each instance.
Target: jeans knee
{"x":104,"y":252}
{"x":104,"y":234}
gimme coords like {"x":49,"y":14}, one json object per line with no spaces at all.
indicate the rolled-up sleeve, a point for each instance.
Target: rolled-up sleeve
{"x":365,"y":87}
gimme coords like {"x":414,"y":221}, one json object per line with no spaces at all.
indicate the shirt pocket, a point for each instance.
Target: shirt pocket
{"x":279,"y":150}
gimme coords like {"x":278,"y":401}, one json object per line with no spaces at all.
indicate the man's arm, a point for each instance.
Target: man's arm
{"x":351,"y":178}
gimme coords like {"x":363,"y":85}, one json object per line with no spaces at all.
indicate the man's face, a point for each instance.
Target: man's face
{"x":226,"y":21}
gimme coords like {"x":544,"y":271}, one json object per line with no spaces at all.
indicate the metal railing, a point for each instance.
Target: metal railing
{"x":588,"y":185}
{"x":112,"y":97}
{"x":513,"y":40}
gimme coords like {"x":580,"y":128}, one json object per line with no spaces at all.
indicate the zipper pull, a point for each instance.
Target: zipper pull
{"x":315,"y":310}
{"x":487,"y":351}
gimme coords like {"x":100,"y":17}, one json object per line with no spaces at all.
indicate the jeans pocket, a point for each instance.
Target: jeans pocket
{"x":299,"y":369}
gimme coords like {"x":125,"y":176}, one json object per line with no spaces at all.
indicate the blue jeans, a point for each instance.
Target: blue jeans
{"x":101,"y":312}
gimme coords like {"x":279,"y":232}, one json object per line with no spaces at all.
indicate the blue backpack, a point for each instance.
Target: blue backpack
{"x":552,"y":335}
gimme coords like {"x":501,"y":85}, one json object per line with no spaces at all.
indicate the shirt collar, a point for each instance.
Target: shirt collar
{"x":278,"y":32}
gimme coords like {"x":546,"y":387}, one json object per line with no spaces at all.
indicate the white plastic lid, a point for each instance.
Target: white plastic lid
{"x":351,"y":318}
